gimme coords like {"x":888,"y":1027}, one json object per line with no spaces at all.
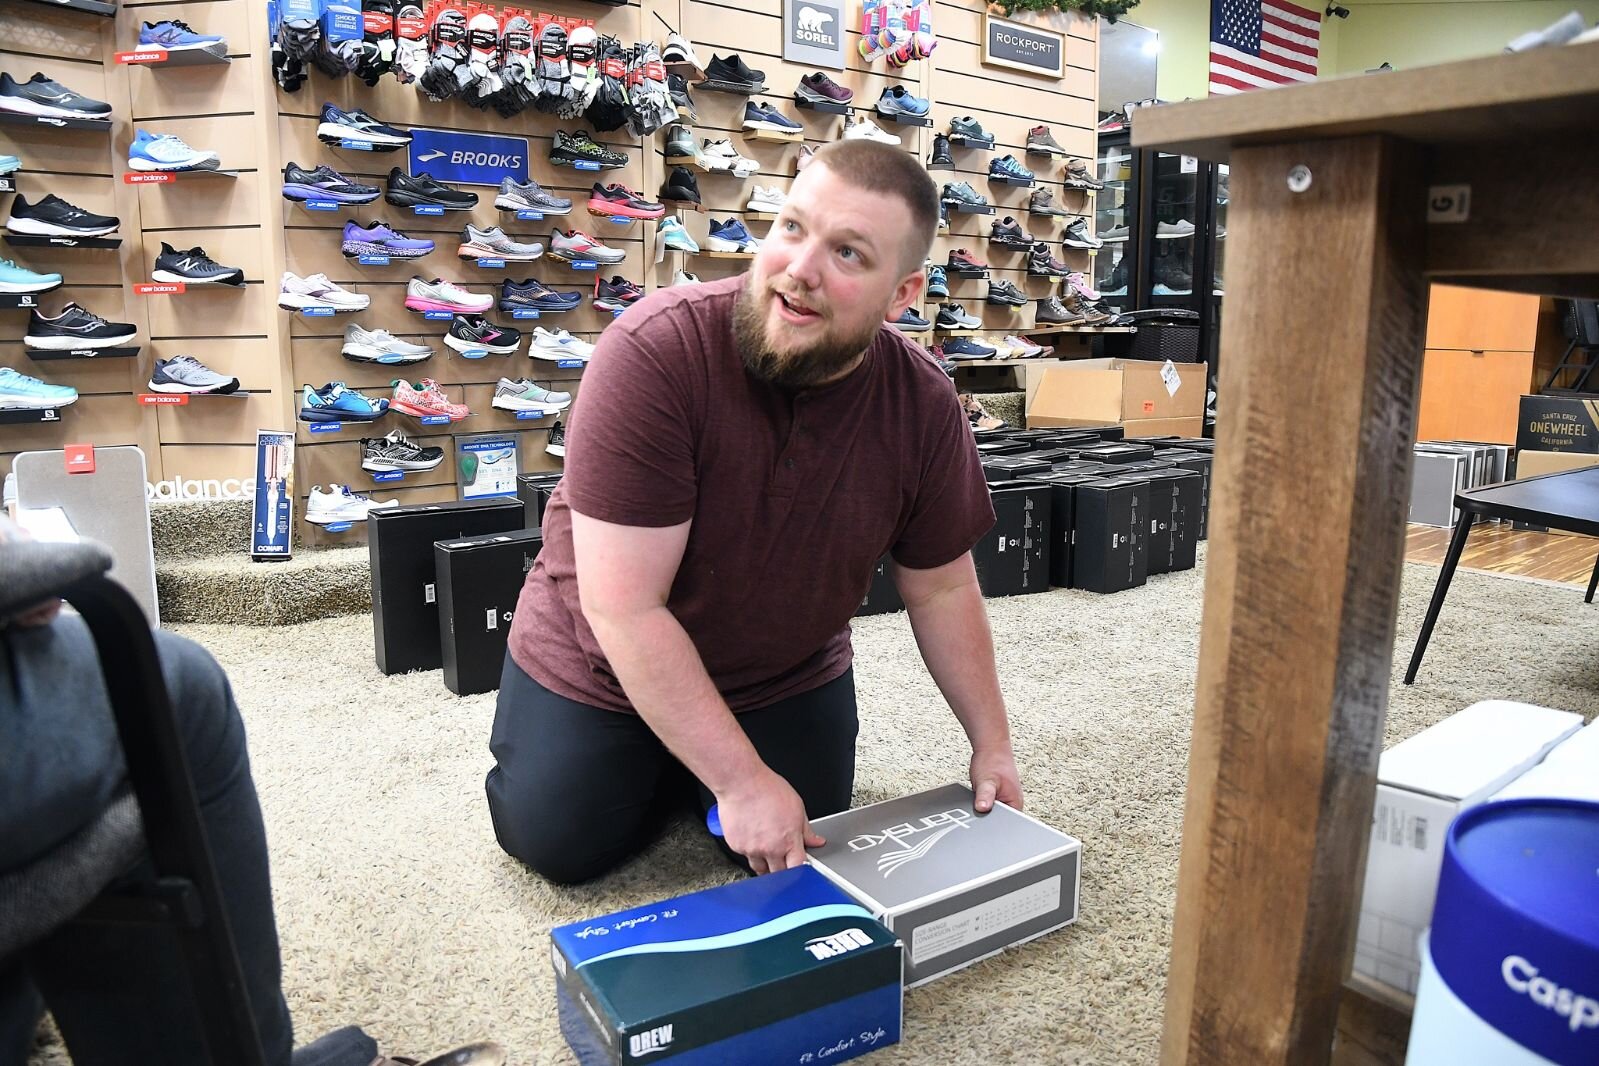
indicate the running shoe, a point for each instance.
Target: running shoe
{"x":1009,"y":233}
{"x":961,"y":259}
{"x":48,"y":99}
{"x":1003,"y":293}
{"x":768,"y":200}
{"x":164,"y":152}
{"x":557,"y":444}
{"x":675,"y":237}
{"x":191,"y":266}
{"x":681,"y":187}
{"x":720,"y":157}
{"x":426,"y":398}
{"x":911,"y":322}
{"x":573,"y":246}
{"x":818,"y":88}
{"x":677,"y":51}
{"x":377,"y":238}
{"x":864,"y":129}
{"x":939,"y":156}
{"x":325,"y":183}
{"x":1010,"y":168}
{"x":357,"y":125}
{"x":438,"y":295}
{"x":965,"y":348}
{"x":763,"y":116}
{"x":420,"y":190}
{"x":295,"y":292}
{"x":19,"y":392}
{"x":733,"y":75}
{"x":54,"y":217}
{"x":960,"y":193}
{"x":677,"y":89}
{"x":186,"y":374}
{"x":953,"y":316}
{"x":15,"y":279}
{"x":680,"y":144}
{"x":534,"y":295}
{"x":683,"y":277}
{"x":9,"y":164}
{"x":340,"y":504}
{"x":969,"y":130}
{"x":474,"y":333}
{"x":396,"y":451}
{"x":731,"y":236}
{"x":74,"y":328}
{"x":524,"y":395}
{"x":569,"y":149}
{"x":175,"y":35}
{"x":898,"y":100}
{"x":616,"y":294}
{"x":363,"y":345}
{"x":937,"y":282}
{"x":337,"y":402}
{"x":530,"y":196}
{"x":556,"y":345}
{"x":492,"y":243}
{"x":620,"y":201}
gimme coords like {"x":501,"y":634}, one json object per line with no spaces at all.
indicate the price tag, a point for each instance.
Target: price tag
{"x":571,"y":364}
{"x":320,"y":205}
{"x":337,"y":527}
{"x":388,"y":475}
{"x":326,"y":427}
{"x":318,"y":311}
{"x":428,"y":209}
{"x":1168,"y":374}
{"x":585,"y":164}
{"x":491,"y":264}
{"x":1188,"y":165}
{"x":525,"y":312}
{"x":529,"y":215}
{"x":355,"y":145}
{"x":435,"y":420}
{"x":373,"y":260}
{"x":438,"y":316}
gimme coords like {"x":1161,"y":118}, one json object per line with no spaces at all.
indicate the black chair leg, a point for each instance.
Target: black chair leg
{"x":1457,"y":544}
{"x":1592,"y":581}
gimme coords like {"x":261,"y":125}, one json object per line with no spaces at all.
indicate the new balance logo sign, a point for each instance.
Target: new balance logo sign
{"x":649,"y":1041}
{"x":845,"y":940}
{"x":911,"y":842}
{"x":187,"y":263}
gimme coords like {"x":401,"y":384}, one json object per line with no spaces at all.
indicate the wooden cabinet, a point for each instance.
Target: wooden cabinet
{"x":1478,"y":364}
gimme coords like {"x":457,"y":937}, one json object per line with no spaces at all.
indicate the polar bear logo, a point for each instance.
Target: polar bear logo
{"x":812,"y":20}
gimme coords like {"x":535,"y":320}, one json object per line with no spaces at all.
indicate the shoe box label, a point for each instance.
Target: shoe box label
{"x":468,"y":158}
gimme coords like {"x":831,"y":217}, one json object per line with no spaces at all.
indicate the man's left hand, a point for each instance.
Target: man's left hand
{"x":994,"y":777}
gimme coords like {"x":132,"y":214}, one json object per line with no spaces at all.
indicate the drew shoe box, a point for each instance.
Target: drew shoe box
{"x":1110,"y":542}
{"x":782,"y":968}
{"x":1422,"y":783}
{"x":479,"y":582}
{"x":1013,"y":558}
{"x":405,"y":611}
{"x":882,"y":596}
{"x":955,"y":886}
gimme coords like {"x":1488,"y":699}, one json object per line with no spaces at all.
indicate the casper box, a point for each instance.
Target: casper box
{"x":534,"y":492}
{"x":1180,"y":544}
{"x":479,"y":580}
{"x":1109,"y":542}
{"x":953,"y":885}
{"x":783,"y":968}
{"x":881,"y":596}
{"x":1569,"y":771}
{"x":1422,"y":783}
{"x":1014,"y":557}
{"x":405,"y":611}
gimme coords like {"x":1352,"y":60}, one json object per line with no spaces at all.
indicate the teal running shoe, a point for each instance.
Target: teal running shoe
{"x":19,"y":392}
{"x":336,"y":402}
{"x":17,"y":279}
{"x":9,"y":164}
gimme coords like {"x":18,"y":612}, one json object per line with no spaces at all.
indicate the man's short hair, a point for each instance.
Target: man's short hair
{"x":891,"y":171}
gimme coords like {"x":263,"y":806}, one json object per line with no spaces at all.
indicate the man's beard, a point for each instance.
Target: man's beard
{"x":800,"y":368}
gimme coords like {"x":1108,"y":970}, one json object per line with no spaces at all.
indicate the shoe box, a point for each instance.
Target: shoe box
{"x":1033,"y":438}
{"x":1174,"y":519}
{"x":1053,"y":456}
{"x":479,"y":582}
{"x":1146,"y":397}
{"x":534,"y":492}
{"x":1062,"y":493}
{"x":1557,"y":424}
{"x":781,"y":968}
{"x":954,"y":886}
{"x":996,"y":448}
{"x":1010,"y":467}
{"x":1110,"y":539}
{"x":1013,"y":558}
{"x":1117,"y":453}
{"x":1435,"y":477}
{"x":1201,"y":464}
{"x":881,"y":596}
{"x":1076,"y":440}
{"x":405,"y":611}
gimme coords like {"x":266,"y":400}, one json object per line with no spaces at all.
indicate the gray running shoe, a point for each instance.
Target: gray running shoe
{"x":968,"y":129}
{"x":575,"y":245}
{"x":1040,"y":141}
{"x":185,"y":373}
{"x":1078,"y":176}
{"x":961,"y":193}
{"x":1041,"y":203}
{"x":523,"y":395}
{"x":380,"y":346}
{"x":530,"y":196}
{"x":492,"y":243}
{"x":680,"y":143}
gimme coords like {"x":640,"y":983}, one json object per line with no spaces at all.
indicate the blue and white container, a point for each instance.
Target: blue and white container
{"x":1510,"y":967}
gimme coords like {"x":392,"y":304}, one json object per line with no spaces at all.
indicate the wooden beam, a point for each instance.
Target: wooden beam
{"x":1373,"y":1025}
{"x":1321,"y":370}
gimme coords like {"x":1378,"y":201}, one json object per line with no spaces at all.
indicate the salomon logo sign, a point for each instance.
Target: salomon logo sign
{"x":468,"y":158}
{"x":649,"y":1041}
{"x":1580,"y":1012}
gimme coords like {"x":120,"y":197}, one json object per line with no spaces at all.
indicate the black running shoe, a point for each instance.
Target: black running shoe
{"x":469,"y":333}
{"x":616,"y":294}
{"x":1006,"y":294}
{"x":54,"y":217}
{"x":397,"y":452}
{"x":193,"y":267}
{"x":570,"y":149}
{"x":75,"y":328}
{"x":325,"y":183}
{"x":534,"y":295}
{"x":731,"y":75}
{"x":677,"y":86}
{"x":940,"y":156}
{"x":557,"y":445}
{"x":681,"y":188}
{"x":48,"y":99}
{"x":406,"y":190}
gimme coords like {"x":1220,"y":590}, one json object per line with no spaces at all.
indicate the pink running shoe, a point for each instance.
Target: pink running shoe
{"x":439,"y":295}
{"x":425,"y":398}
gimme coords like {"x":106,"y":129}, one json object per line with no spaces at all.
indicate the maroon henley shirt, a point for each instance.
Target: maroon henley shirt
{"x":794,"y":496}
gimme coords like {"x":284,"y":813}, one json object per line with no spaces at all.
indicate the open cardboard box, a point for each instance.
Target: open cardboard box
{"x":1127,"y":392}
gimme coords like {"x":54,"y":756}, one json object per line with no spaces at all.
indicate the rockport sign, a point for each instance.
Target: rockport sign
{"x":1029,"y":48}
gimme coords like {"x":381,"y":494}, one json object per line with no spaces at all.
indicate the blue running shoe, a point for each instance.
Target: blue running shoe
{"x":731,"y":236}
{"x":378,"y":239}
{"x":15,"y":279}
{"x":1007,"y":166}
{"x":674,"y":236}
{"x":174,"y":35}
{"x":335,"y":402}
{"x":19,"y":392}
{"x":937,"y":284}
{"x":9,"y":164}
{"x":534,"y":295}
{"x":163,"y":151}
{"x":897,"y":100}
{"x":359,"y":126}
{"x":967,"y":348}
{"x":911,"y":322}
{"x":764,"y":116}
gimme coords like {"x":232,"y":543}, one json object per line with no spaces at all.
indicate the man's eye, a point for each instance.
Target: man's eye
{"x":848,"y":253}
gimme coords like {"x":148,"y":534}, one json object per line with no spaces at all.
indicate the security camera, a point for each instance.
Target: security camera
{"x":1334,"y":11}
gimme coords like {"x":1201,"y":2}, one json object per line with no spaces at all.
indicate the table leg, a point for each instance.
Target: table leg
{"x":1592,"y":581}
{"x":1457,"y":544}
{"x":1320,"y":367}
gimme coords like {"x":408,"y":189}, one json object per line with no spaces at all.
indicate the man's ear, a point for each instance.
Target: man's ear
{"x":908,"y":293}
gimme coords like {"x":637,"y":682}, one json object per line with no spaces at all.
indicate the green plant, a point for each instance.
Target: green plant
{"x":1111,"y":10}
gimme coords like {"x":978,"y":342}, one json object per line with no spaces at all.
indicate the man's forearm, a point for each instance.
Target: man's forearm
{"x":952,"y":633}
{"x":665,"y":680}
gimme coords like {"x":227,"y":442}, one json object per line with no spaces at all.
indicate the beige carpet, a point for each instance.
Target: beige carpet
{"x":399,"y":913}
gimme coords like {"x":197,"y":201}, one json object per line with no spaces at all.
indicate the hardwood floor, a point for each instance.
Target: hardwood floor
{"x":1494,"y":546}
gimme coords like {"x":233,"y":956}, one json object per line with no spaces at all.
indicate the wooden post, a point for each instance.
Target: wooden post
{"x":1320,"y":363}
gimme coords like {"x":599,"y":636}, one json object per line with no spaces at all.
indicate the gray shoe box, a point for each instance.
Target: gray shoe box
{"x":955,"y":887}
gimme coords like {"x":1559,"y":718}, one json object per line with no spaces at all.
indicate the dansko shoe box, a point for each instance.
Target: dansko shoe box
{"x":1013,"y":558}
{"x":955,"y":886}
{"x":784,"y":968}
{"x":479,"y":582}
{"x":405,"y":610}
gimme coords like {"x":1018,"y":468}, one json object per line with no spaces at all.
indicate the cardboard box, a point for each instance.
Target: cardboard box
{"x":534,"y":492}
{"x":882,"y":595}
{"x":1013,"y":558}
{"x":1110,"y":543}
{"x":479,"y":581}
{"x":1177,"y":545}
{"x":1115,"y":392}
{"x":1530,"y":464}
{"x":405,"y":610}
{"x":954,"y":886}
{"x":1557,"y":424}
{"x":781,"y":968}
{"x":1161,"y":427}
{"x":1422,"y":784}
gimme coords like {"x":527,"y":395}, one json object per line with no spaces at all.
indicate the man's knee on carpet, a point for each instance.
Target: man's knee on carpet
{"x":560,"y":849}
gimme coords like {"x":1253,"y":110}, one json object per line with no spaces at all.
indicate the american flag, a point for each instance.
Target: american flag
{"x":1256,"y":44}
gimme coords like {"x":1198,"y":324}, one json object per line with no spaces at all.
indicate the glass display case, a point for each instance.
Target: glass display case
{"x":1175,"y":189}
{"x":1115,"y":211}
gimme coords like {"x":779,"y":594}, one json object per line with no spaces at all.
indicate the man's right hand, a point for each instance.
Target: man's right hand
{"x":764,"y":821}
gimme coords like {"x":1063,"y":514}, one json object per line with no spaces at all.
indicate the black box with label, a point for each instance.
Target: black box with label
{"x":882,"y":596}
{"x":1159,"y":521}
{"x":995,"y":448}
{"x":1182,"y":545}
{"x":1014,"y":557}
{"x":405,"y":611}
{"x":1201,"y":464}
{"x":1011,"y":467}
{"x":1070,"y":439}
{"x":1062,"y":494}
{"x":1557,"y":424}
{"x":534,"y":492}
{"x":479,"y":581}
{"x":1117,"y":452}
{"x":1110,"y":543}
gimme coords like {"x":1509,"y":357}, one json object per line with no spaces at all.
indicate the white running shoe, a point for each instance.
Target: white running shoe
{"x":868,"y":130}
{"x":339,"y":504}
{"x":295,"y":292}
{"x":683,"y":277}
{"x":770,"y":200}
{"x":720,"y":157}
{"x":558,"y":344}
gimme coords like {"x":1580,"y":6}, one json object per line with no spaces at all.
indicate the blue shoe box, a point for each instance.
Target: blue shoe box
{"x":780,"y":968}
